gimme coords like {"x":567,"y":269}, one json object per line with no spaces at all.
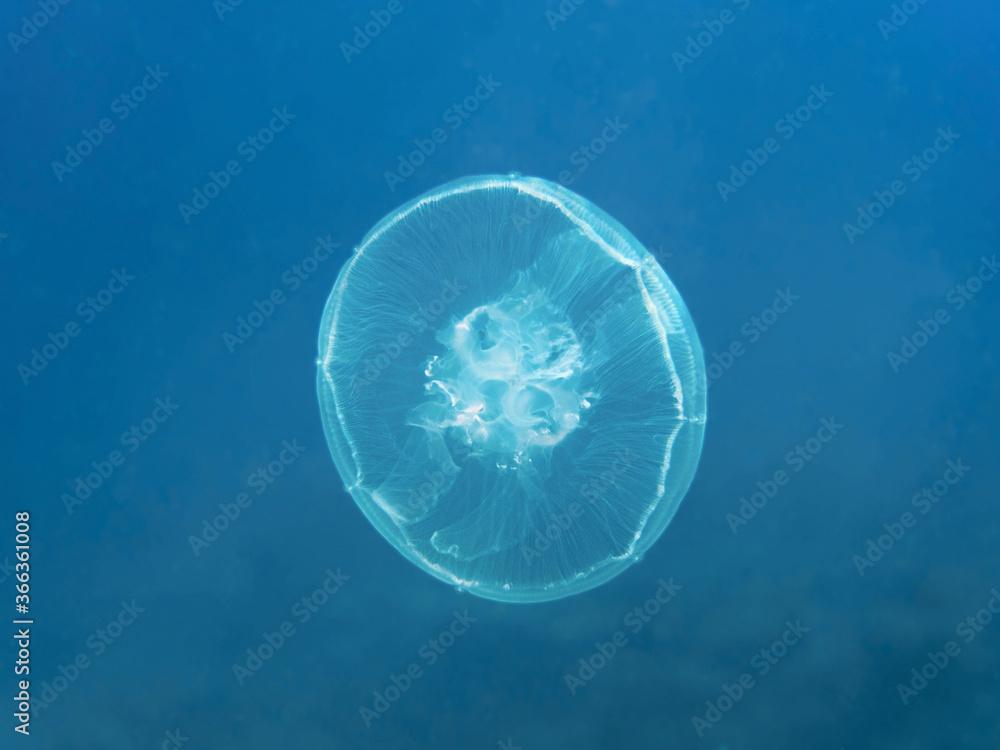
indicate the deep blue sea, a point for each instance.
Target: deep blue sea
{"x":179,"y":187}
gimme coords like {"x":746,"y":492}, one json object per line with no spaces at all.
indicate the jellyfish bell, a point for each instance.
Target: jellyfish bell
{"x":512,"y":389}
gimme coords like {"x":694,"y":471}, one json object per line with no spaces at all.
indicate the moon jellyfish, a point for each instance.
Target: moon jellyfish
{"x":512,"y":389}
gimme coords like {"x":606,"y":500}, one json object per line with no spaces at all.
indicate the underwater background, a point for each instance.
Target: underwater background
{"x":179,"y":185}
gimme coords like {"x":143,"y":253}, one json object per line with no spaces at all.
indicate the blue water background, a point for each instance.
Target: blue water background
{"x":502,"y":683}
